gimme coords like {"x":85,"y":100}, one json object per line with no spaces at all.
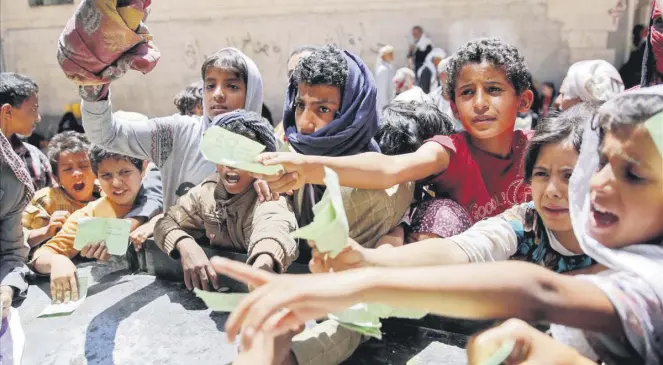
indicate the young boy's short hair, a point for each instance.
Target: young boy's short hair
{"x":227,"y":60}
{"x":629,"y":109}
{"x":188,"y":99}
{"x":16,"y":88}
{"x":98,"y":155}
{"x":70,"y":141}
{"x":568,"y":125}
{"x":405,"y":126}
{"x":498,"y":53}
{"x":325,"y":66}
{"x":250,"y":125}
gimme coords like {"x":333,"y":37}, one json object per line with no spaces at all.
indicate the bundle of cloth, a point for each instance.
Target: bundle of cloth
{"x":102,"y":41}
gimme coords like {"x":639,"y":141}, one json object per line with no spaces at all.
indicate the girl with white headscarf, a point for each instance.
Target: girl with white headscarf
{"x":427,"y":75}
{"x":592,"y":81}
{"x":384,"y":73}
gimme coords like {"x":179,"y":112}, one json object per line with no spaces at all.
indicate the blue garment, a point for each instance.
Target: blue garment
{"x":534,"y":244}
{"x":352,"y":131}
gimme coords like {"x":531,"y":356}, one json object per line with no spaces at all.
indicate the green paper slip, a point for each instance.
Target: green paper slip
{"x":65,"y":309}
{"x":366,"y":317}
{"x":224,"y":147}
{"x":502,"y":354}
{"x":655,"y":127}
{"x":366,"y":331}
{"x":329,"y":229}
{"x":114,"y":232}
{"x":220,"y":302}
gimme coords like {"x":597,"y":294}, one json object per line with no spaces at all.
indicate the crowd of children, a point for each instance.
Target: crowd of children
{"x":451,"y":208}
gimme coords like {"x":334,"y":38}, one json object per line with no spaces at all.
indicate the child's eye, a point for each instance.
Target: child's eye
{"x":300,"y":106}
{"x":541,"y":174}
{"x":233,"y":86}
{"x":68,"y":169}
{"x":494,"y":89}
{"x":125,"y":172}
{"x":633,"y":177}
{"x":466,"y":92}
{"x":324,"y":109}
{"x":567,"y":176}
{"x":210,"y":86}
{"x":106,"y":176}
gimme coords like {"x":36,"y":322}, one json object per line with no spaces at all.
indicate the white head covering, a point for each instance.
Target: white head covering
{"x":254,"y":98}
{"x":442,"y":66}
{"x":414,"y":94}
{"x":592,"y":81}
{"x":435,"y":53}
{"x":404,"y":79}
{"x":384,"y":50}
{"x":643,"y":260}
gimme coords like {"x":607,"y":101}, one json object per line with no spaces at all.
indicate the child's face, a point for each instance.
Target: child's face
{"x":547,"y":91}
{"x":486,"y":102}
{"x":234,"y":180}
{"x":120,"y":180}
{"x":627,"y":190}
{"x":22,"y":120}
{"x":316,"y":107}
{"x":75,"y":175}
{"x":294,"y":60}
{"x":224,"y":92}
{"x":550,"y":184}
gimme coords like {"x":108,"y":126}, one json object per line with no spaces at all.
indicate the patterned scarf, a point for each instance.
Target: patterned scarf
{"x":10,"y":158}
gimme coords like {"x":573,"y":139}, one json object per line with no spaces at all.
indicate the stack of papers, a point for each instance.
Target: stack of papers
{"x":226,"y":148}
{"x":329,"y":229}
{"x":65,"y":309}
{"x":112,"y":231}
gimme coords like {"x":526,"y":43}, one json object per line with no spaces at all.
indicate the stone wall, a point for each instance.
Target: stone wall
{"x":552,"y":34}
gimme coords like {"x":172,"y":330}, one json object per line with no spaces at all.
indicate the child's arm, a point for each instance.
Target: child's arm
{"x":394,"y":238}
{"x":481,"y":291}
{"x":489,"y":240}
{"x":149,"y":202}
{"x":173,"y":234}
{"x":151,"y":140}
{"x":39,"y":235}
{"x":364,"y":171}
{"x":272,"y":224}
{"x":63,"y":242}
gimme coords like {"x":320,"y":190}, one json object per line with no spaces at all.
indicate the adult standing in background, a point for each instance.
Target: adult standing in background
{"x":427,"y":76}
{"x":421,"y":47}
{"x":384,"y":73}
{"x":631,"y":70}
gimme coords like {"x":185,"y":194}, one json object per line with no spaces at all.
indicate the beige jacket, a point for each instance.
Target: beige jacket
{"x":239,"y":223}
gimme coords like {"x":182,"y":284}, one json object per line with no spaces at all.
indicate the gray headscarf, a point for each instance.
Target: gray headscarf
{"x":254,"y":97}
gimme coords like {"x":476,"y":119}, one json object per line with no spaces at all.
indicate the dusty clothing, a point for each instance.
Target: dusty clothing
{"x":63,"y":242}
{"x":37,"y":214}
{"x":371,"y":214}
{"x":13,"y":250}
{"x":236,"y":222}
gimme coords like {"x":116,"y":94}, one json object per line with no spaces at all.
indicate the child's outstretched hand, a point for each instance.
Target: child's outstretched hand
{"x":352,"y":256}
{"x":97,"y":251}
{"x":56,"y":222}
{"x":198,"y":271}
{"x":281,"y":303}
{"x":64,"y":285}
{"x":293,"y":178}
{"x":531,"y":346}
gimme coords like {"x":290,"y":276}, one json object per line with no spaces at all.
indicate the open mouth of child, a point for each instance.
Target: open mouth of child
{"x":602,"y":218}
{"x":78,"y":187}
{"x":232,"y":177}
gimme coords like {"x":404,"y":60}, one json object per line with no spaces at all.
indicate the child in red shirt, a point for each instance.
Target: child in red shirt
{"x":479,"y":169}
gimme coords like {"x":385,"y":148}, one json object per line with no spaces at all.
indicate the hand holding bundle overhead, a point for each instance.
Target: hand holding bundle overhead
{"x":102,"y":41}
